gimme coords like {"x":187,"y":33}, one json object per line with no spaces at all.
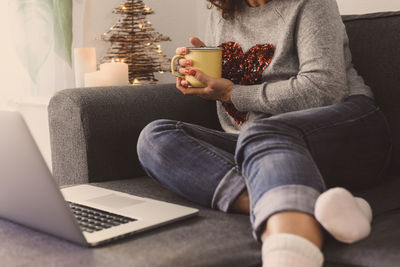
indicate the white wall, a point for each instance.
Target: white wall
{"x":367,"y":6}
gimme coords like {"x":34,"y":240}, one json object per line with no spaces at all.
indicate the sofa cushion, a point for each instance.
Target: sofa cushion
{"x":374,"y":44}
{"x":218,"y":239}
{"x":381,"y":248}
{"x":210,"y":239}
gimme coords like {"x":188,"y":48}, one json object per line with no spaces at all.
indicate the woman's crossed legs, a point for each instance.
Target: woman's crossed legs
{"x":274,"y":167}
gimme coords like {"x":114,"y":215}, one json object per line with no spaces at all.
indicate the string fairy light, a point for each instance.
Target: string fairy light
{"x":136,"y":81}
{"x":134,"y":42}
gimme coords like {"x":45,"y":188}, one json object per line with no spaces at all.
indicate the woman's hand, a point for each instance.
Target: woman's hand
{"x":216,"y":88}
{"x":184,"y":63}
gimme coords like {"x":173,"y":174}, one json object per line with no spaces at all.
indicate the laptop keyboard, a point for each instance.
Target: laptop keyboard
{"x":93,"y":220}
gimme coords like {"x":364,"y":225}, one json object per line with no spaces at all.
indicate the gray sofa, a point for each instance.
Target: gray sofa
{"x":93,"y":137}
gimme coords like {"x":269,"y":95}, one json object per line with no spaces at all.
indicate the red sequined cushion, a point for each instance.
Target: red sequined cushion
{"x":244,"y":69}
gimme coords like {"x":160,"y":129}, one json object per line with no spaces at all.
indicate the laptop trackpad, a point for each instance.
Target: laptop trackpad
{"x":114,"y":201}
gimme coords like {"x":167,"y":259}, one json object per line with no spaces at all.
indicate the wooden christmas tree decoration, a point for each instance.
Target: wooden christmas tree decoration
{"x":135,"y":42}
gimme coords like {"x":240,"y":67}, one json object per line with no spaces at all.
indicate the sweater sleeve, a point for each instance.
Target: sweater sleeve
{"x":321,"y":80}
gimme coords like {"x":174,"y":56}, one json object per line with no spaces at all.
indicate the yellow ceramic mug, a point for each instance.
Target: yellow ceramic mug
{"x":206,"y":59}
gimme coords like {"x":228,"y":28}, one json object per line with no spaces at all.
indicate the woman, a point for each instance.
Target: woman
{"x":297,"y":118}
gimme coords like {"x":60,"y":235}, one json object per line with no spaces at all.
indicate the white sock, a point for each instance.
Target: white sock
{"x":365,"y":208}
{"x":345,"y":217}
{"x":288,"y":250}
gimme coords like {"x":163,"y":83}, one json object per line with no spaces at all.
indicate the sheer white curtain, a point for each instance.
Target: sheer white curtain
{"x":29,"y":25}
{"x":34,"y":58}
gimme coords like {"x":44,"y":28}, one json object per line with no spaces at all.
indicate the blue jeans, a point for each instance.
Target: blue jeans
{"x":284,"y":162}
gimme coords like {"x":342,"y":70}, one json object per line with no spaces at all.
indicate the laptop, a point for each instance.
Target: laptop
{"x":83,"y":214}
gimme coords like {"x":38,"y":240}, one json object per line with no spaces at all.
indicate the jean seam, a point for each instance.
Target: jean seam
{"x":249,"y":193}
{"x":311,"y":132}
{"x":213,"y":133}
{"x":205,"y":148}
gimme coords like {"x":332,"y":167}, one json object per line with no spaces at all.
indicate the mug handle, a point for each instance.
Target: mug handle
{"x":173,"y":66}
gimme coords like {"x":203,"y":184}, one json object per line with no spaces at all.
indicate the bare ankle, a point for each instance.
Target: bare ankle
{"x":242,"y":203}
{"x":294,"y":222}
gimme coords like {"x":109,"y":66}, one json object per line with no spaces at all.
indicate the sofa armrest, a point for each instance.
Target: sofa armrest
{"x":94,"y":131}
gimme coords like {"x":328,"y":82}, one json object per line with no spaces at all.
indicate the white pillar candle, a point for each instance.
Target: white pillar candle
{"x":115,"y":73}
{"x":96,"y":78}
{"x":84,"y":61}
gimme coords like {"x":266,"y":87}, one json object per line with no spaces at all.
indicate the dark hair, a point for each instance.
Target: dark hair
{"x":228,"y":8}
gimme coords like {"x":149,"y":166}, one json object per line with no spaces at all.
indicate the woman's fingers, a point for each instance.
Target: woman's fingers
{"x":196,"y":42}
{"x":185,"y":84}
{"x":189,"y":71}
{"x":199,"y":75}
{"x":181,"y":51}
{"x":185,"y":62}
{"x":182,"y":70}
{"x":181,"y":84}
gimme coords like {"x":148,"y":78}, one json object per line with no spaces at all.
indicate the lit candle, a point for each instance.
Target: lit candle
{"x":115,"y":73}
{"x":136,"y":81}
{"x":84,"y":61}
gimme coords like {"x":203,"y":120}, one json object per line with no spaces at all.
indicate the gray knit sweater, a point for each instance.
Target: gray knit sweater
{"x":311,"y":66}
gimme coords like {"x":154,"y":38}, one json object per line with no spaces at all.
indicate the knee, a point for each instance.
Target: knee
{"x":267,"y":128}
{"x":151,"y":138}
{"x":267,"y":133}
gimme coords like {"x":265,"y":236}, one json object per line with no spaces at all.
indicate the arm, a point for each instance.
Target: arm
{"x":321,"y":79}
{"x":94,"y":131}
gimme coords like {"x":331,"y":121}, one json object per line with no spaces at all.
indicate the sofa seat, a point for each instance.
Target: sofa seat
{"x":218,"y":239}
{"x":212,"y":238}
